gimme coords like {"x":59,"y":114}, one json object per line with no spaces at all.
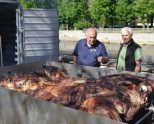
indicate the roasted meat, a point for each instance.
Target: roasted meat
{"x":101,"y":106}
{"x":118,"y":97}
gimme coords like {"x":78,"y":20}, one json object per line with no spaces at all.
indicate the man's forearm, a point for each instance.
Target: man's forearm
{"x":74,"y":59}
{"x":138,"y":66}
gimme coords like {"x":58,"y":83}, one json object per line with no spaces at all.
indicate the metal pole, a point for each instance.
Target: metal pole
{"x":145,"y":116}
{"x":1,"y":52}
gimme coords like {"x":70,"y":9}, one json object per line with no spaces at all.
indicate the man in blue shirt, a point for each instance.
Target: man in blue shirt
{"x":90,"y":51}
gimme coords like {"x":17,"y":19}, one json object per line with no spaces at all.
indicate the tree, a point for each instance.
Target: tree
{"x":124,"y":12}
{"x":144,"y":9}
{"x":99,"y":11}
{"x":73,"y":13}
{"x":67,"y":12}
{"x":112,"y":12}
{"x":38,"y":3}
{"x":27,"y":3}
{"x":80,"y":14}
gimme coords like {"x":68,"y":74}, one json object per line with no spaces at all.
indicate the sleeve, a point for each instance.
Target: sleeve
{"x":138,"y":54}
{"x":104,"y":51}
{"x":75,"y":52}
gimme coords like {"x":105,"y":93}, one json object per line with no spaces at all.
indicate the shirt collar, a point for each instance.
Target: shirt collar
{"x":86,"y":44}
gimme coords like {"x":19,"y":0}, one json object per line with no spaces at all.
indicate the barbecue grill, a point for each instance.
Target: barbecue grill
{"x":16,"y":108}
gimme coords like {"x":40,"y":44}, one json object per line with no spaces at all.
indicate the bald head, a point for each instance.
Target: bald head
{"x":91,"y":35}
{"x":91,"y":30}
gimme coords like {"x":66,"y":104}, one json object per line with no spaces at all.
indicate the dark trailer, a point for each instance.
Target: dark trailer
{"x":8,"y":31}
{"x":27,"y":35}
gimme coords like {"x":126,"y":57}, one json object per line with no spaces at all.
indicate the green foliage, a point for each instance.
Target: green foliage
{"x":99,"y":13}
{"x":81,"y":24}
{"x":124,"y":12}
{"x":27,"y":4}
{"x":38,"y":3}
{"x":67,"y":12}
{"x":99,"y":10}
{"x":144,"y":9}
{"x":71,"y":12}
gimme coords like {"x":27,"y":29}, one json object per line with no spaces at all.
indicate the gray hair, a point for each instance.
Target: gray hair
{"x":127,"y":29}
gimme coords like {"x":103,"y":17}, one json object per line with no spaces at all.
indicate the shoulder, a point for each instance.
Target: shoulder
{"x":101,"y":44}
{"x":81,"y":41}
{"x":136,"y":44}
{"x":133,"y":46}
{"x":138,"y":54}
{"x":138,"y":50}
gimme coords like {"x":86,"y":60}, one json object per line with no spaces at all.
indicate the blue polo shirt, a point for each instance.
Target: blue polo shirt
{"x":88,"y":55}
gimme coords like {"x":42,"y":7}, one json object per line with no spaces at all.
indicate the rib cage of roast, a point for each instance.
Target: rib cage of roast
{"x":118,"y":97}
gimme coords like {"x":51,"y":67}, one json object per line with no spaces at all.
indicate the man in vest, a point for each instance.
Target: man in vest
{"x":129,"y":55}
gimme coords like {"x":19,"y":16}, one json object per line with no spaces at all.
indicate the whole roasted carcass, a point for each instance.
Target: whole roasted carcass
{"x":118,"y":97}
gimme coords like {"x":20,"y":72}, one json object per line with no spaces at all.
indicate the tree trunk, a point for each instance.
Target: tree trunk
{"x":151,"y":21}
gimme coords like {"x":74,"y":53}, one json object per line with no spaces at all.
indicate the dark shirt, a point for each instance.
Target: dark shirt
{"x":88,"y":55}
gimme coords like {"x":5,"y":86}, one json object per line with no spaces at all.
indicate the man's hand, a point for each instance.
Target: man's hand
{"x":102,"y":59}
{"x":99,"y":59}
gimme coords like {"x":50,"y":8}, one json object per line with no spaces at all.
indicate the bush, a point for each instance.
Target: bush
{"x":82,"y":24}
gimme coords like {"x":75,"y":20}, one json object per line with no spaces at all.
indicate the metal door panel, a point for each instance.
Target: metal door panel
{"x":41,"y":35}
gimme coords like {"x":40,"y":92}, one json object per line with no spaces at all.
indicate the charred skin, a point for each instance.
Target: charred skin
{"x":101,"y":106}
{"x":118,"y":97}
